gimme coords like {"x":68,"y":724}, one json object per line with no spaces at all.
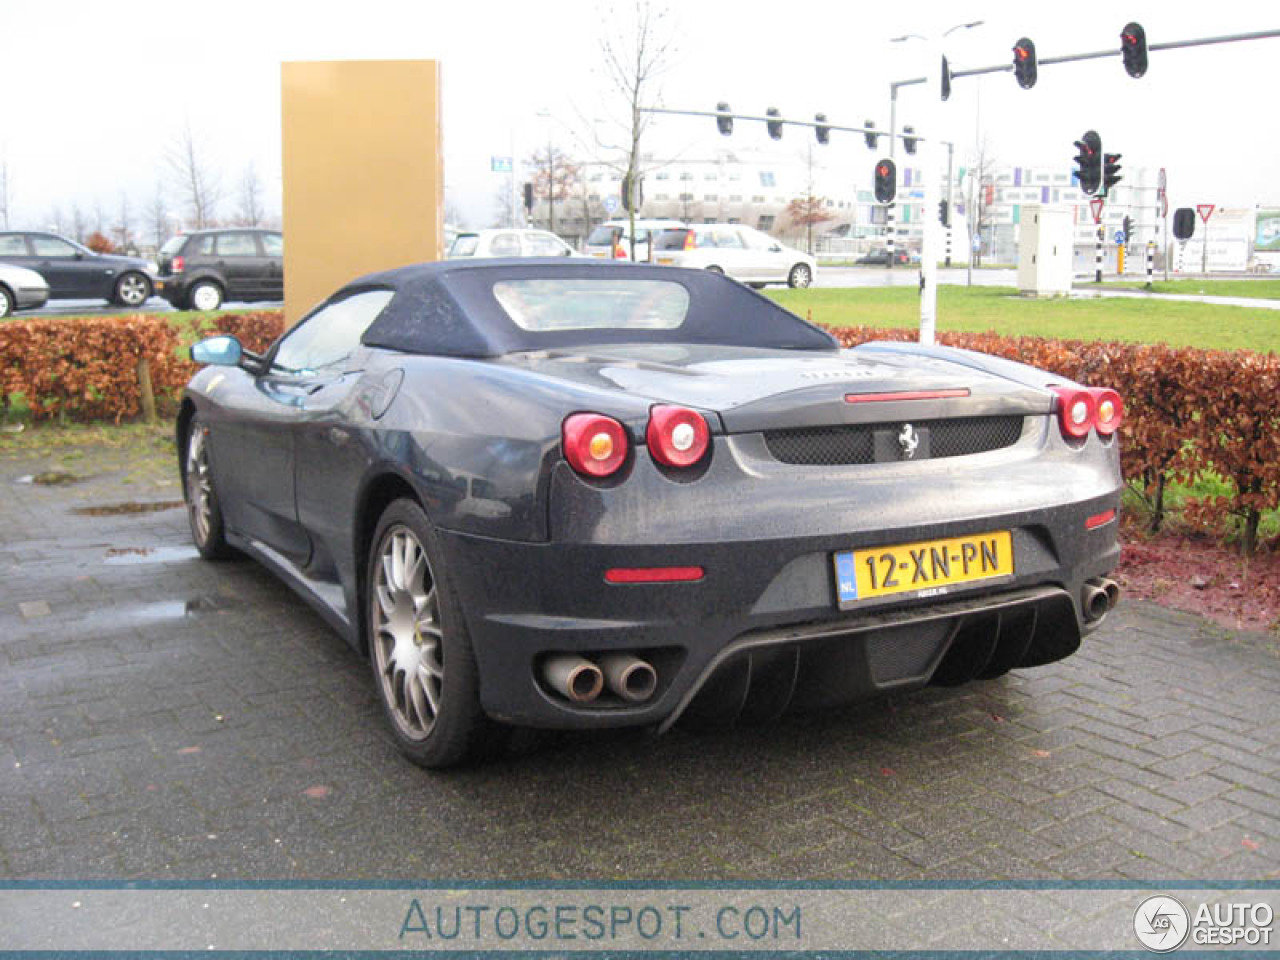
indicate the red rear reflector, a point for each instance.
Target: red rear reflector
{"x":905,"y":395}
{"x":1099,"y":520}
{"x":653,"y":574}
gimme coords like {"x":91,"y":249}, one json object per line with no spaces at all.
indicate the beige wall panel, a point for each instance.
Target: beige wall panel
{"x":363,"y":172}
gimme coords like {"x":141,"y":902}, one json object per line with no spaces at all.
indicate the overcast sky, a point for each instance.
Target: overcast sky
{"x":94,"y":93}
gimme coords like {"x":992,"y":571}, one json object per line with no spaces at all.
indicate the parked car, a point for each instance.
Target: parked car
{"x":509,"y":243}
{"x":611,"y":240}
{"x":74,"y":272}
{"x":21,"y":289}
{"x":740,"y":252}
{"x":880,"y":257}
{"x":573,"y":494}
{"x":203,"y":269}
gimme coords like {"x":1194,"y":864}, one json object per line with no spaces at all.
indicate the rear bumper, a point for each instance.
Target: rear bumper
{"x":172,"y":288}
{"x":763,"y":627}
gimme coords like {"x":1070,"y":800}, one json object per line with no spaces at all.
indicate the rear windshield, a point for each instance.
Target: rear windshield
{"x":604,"y":236}
{"x":568,"y":303}
{"x":465,"y":245}
{"x":172,"y":246}
{"x":672,"y":239}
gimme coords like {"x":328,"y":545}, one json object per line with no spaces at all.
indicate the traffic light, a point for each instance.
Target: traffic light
{"x":946,"y":79}
{"x":1089,"y":162}
{"x":724,"y":122}
{"x":1024,"y":63}
{"x":886,"y":181}
{"x":909,"y":143}
{"x":944,"y":213}
{"x":528,"y":197}
{"x":1133,"y":49}
{"x":1127,"y":226}
{"x":821,"y":131}
{"x":1184,"y":223}
{"x":869,"y":134}
{"x":775,"y":126}
{"x":626,"y":192}
{"x":1110,"y":171}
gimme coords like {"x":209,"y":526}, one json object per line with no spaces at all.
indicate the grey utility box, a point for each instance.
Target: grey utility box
{"x":1045,"y":249}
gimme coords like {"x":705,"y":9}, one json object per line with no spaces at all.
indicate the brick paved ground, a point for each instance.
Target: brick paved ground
{"x":164,"y":717}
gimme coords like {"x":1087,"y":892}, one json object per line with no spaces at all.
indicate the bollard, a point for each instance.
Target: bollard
{"x":147,"y":395}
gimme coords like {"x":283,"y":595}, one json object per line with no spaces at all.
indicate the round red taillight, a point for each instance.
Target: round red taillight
{"x":594,"y":445}
{"x":1075,"y":411}
{"x":677,"y":436}
{"x":1108,"y":410}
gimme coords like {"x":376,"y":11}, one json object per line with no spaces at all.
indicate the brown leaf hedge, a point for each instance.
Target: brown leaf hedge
{"x":1186,"y":410}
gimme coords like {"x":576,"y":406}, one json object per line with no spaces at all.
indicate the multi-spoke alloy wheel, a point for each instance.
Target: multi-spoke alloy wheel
{"x":423,"y":664}
{"x":203,"y":509}
{"x":132,"y":290}
{"x":408,"y":644}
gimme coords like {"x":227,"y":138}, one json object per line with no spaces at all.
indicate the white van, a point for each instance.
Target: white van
{"x":612,"y":239}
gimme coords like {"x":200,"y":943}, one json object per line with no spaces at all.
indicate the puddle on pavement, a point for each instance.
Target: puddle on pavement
{"x":49,"y":478}
{"x":121,"y":509}
{"x":131,"y":555}
{"x":146,"y":613}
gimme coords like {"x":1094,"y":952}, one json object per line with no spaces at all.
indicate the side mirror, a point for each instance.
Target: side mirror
{"x":218,"y":351}
{"x":776,"y":248}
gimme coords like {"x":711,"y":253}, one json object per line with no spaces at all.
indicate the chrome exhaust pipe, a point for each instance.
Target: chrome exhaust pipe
{"x":629,"y":677}
{"x":1113,"y":592}
{"x":573,"y":677}
{"x":1094,"y":600}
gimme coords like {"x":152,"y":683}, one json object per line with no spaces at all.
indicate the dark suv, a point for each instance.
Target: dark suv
{"x":200,"y":270}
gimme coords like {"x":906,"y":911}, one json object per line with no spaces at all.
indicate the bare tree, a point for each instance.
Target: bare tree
{"x":983,"y":185}
{"x":554,"y":177}
{"x":79,"y":226}
{"x":197,"y":184}
{"x":157,"y":216}
{"x":249,"y":212}
{"x":123,"y":228}
{"x":506,"y":211}
{"x":637,"y":49}
{"x":4,"y":190}
{"x":53,"y":220}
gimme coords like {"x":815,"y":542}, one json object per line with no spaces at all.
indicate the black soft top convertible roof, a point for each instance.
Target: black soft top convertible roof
{"x":449,"y":309}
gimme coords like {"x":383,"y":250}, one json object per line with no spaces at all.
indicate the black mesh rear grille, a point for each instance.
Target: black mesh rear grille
{"x":838,"y":446}
{"x":822,"y":446}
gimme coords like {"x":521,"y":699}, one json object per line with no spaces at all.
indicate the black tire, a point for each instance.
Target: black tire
{"x":132,"y":289}
{"x":756,"y":286}
{"x":204,"y":295}
{"x":419,"y":649}
{"x":800,"y":276}
{"x":6,"y":302}
{"x":204,"y":512}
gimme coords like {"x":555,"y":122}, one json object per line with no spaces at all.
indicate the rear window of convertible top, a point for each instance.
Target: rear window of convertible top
{"x":567,"y":303}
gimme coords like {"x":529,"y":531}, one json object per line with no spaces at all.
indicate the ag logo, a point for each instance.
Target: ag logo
{"x":1161,"y":923}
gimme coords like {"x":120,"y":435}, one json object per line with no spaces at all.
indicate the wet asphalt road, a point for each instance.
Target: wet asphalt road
{"x":163,"y":717}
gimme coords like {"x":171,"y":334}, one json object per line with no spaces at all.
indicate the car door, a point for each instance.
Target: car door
{"x":273,"y":251}
{"x":731,"y":252}
{"x":768,"y":260}
{"x":330,"y":455}
{"x":70,"y":271}
{"x":236,"y":257}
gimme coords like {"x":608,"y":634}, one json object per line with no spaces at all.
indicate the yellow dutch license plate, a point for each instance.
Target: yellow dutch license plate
{"x":927,"y":568}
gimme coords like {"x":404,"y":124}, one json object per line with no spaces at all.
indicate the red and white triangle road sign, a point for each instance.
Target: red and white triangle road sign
{"x":1205,"y":210}
{"x":1095,"y":204}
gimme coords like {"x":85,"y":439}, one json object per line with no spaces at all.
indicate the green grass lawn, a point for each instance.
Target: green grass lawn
{"x":1260,"y":288}
{"x":1002,"y":310}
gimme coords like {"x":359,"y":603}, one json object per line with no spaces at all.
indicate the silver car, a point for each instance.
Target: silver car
{"x":743,"y":253}
{"x":509,"y":243}
{"x":21,"y":289}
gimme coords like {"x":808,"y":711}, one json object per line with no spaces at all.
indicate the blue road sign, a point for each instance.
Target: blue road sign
{"x":1119,"y":236}
{"x":610,"y":203}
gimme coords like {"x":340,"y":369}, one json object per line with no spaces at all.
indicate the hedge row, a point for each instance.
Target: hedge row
{"x":1186,"y":411}
{"x":95,"y":368}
